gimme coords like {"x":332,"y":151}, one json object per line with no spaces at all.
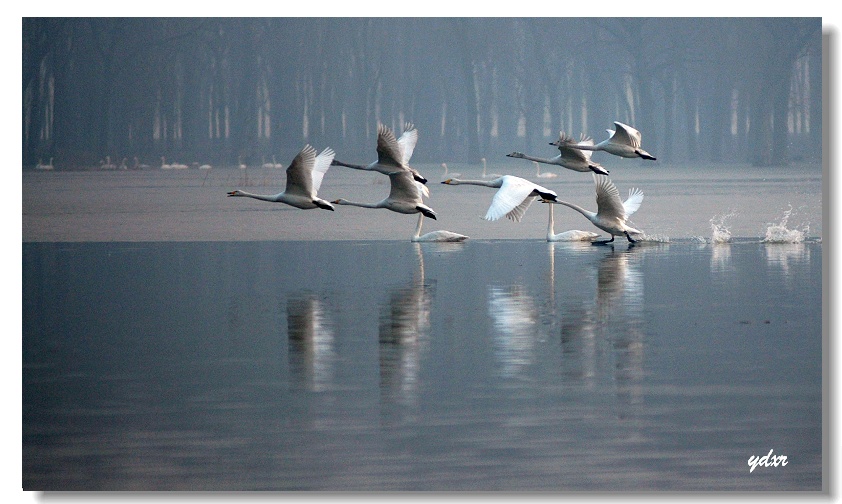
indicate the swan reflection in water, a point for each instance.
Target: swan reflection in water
{"x":403,"y":334}
{"x":515,"y":321}
{"x":311,"y":342}
{"x":615,"y":315}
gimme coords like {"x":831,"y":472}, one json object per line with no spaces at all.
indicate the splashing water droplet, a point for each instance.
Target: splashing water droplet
{"x":779,"y":233}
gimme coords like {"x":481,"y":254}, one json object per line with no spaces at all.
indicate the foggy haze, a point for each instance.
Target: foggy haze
{"x":226,"y":91}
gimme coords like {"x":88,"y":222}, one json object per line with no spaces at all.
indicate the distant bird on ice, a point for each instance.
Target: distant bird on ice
{"x":446,"y":175}
{"x":612,"y":213}
{"x":435,"y":236}
{"x":624,"y":141}
{"x":488,"y":175}
{"x":513,"y":197}
{"x":569,"y":156}
{"x":572,"y":235}
{"x":304,"y":177}
{"x":393,"y":154}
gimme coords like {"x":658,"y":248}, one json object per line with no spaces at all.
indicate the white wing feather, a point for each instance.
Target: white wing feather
{"x":320,"y":167}
{"x":511,"y":195}
{"x":633,"y":202}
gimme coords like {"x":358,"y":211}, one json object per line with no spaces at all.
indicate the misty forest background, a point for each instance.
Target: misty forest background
{"x":242,"y":90}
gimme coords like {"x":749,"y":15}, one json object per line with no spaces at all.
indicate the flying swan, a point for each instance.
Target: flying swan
{"x":393,"y":154}
{"x":304,"y":177}
{"x":624,"y":141}
{"x":512,"y":198}
{"x":612,"y":212}
{"x":569,"y":156}
{"x":406,"y":196}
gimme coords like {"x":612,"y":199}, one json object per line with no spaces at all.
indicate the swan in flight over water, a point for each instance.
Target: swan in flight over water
{"x":406,"y":196}
{"x":572,"y":235}
{"x":393,"y":154}
{"x":304,"y":177}
{"x":436,"y":236}
{"x":624,"y":141}
{"x":513,"y":197}
{"x":569,"y":157}
{"x":612,"y":212}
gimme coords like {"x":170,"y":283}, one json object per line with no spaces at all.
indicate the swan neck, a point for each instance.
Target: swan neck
{"x":550,"y":223}
{"x":586,"y":213}
{"x":362,"y":205}
{"x":262,"y":197}
{"x":418,"y":226}
{"x":471,"y":182}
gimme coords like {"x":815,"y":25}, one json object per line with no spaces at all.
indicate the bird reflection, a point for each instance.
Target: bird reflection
{"x":403,"y":332}
{"x":615,"y":316}
{"x":311,"y":342}
{"x":515,"y":321}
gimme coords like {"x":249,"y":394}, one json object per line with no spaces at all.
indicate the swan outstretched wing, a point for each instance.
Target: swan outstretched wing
{"x":511,"y":200}
{"x":299,"y":172}
{"x":320,"y":166}
{"x":407,"y":142}
{"x":627,"y":135}
{"x":388,"y":149}
{"x":568,"y":152}
{"x":633,"y":202}
{"x":608,"y":202}
{"x":405,"y":188}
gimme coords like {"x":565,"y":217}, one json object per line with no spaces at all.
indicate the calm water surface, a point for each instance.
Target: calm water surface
{"x":487,"y":365}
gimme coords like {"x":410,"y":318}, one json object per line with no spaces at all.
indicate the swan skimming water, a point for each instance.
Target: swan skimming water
{"x":612,"y":212}
{"x":513,"y":197}
{"x":304,"y":177}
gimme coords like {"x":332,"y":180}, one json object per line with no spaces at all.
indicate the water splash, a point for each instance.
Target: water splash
{"x":779,"y":233}
{"x":719,"y":231}
{"x":655,"y":238}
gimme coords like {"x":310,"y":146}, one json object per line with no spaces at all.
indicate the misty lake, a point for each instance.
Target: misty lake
{"x":388,"y":365}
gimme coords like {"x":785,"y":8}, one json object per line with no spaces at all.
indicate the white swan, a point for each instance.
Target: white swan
{"x":543,"y":175}
{"x":513,"y":197}
{"x":393,"y":154}
{"x":624,"y":141}
{"x":569,"y":157}
{"x":446,"y":175}
{"x":612,"y":212}
{"x":572,"y":235}
{"x":436,"y":236}
{"x":488,"y":175}
{"x":304,"y":177}
{"x":406,"y":196}
{"x":41,"y":166}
